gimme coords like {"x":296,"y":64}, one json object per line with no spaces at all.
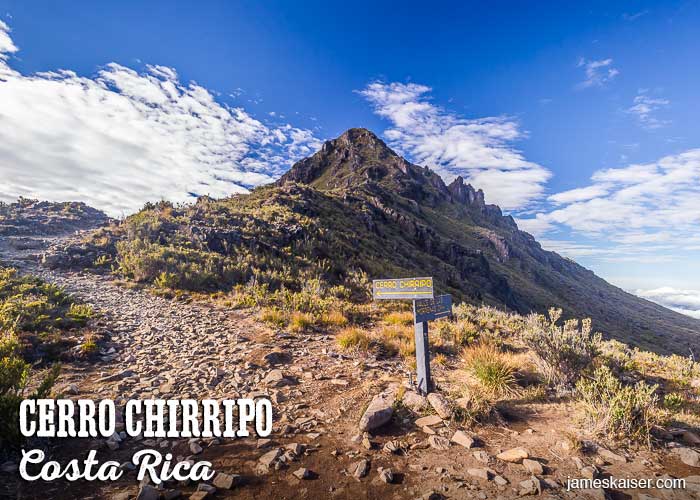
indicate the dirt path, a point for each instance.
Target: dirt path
{"x":160,"y":348}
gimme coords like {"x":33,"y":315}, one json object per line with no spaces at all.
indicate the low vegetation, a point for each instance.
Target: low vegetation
{"x":618,"y":411}
{"x":38,"y":322}
{"x":493,"y":369}
{"x":39,"y":315}
{"x":562,"y":352}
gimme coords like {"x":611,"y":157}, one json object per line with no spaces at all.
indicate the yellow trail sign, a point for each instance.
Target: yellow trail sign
{"x":403,"y":288}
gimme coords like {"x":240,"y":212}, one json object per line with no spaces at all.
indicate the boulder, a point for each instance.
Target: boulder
{"x":378,"y":412}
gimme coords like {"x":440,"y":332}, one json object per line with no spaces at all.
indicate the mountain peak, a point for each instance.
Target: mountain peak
{"x":355,"y":157}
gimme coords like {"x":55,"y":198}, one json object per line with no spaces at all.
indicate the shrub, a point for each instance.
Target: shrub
{"x":460,"y":333}
{"x":273,"y":316}
{"x":15,"y":376}
{"x":618,"y":411}
{"x":492,"y":368}
{"x":562,"y":352}
{"x":300,"y":322}
{"x":89,"y":346}
{"x":353,"y":338}
{"x":674,"y":402}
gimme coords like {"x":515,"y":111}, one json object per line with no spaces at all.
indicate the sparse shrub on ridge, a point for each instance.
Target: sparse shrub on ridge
{"x":618,"y":411}
{"x":562,"y":351}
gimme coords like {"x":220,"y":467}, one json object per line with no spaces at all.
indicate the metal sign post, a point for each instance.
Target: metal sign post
{"x":422,"y":354}
{"x":426,"y":307}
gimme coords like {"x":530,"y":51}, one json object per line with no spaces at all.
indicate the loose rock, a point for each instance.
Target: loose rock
{"x":515,"y":455}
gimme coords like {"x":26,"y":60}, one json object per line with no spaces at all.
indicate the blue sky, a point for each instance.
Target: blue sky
{"x":578,"y":118}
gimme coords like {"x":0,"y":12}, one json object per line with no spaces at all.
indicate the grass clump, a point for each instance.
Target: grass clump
{"x":16,"y":375}
{"x":335,"y":318}
{"x":618,"y":411}
{"x":353,"y":338}
{"x":399,"y":318}
{"x":300,"y":322}
{"x":273,"y":316}
{"x":493,"y":369}
{"x":562,"y":352}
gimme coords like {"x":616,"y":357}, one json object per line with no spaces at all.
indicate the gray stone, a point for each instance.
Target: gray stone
{"x":225,"y":481}
{"x":611,"y":456}
{"x":385,"y":475}
{"x":195,"y":448}
{"x":479,"y":473}
{"x":440,"y":404}
{"x":532,"y":486}
{"x":269,"y":458}
{"x":500,"y":480}
{"x":515,"y":455}
{"x":482,"y":456}
{"x":360,"y":469}
{"x":148,"y":492}
{"x":276,"y":378}
{"x":302,"y":473}
{"x":461,"y":438}
{"x":439,"y":442}
{"x":378,"y":412}
{"x":414,"y":401}
{"x":688,"y":456}
{"x":428,"y":421}
{"x":533,"y":466}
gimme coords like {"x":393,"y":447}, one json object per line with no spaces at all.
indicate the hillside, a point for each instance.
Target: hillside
{"x":477,"y":253}
{"x":354,"y":211}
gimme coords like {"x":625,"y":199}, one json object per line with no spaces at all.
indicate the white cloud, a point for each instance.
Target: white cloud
{"x":579,"y":194}
{"x":683,"y":301}
{"x":598,"y":73}
{"x":479,"y":150}
{"x":121,"y":138}
{"x":644,"y":208}
{"x":644,"y":107}
{"x":6,"y":45}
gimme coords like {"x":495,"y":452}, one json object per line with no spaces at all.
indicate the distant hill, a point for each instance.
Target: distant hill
{"x":28,"y":217}
{"x":356,"y":210}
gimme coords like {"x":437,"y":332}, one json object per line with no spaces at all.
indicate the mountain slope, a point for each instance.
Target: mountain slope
{"x":473,"y":250}
{"x":354,"y":211}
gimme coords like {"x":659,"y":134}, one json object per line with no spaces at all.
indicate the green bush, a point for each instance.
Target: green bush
{"x":616,"y":410}
{"x":562,"y":352}
{"x":15,"y":376}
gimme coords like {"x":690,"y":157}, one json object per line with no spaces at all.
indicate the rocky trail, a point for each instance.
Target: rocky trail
{"x":155,"y":347}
